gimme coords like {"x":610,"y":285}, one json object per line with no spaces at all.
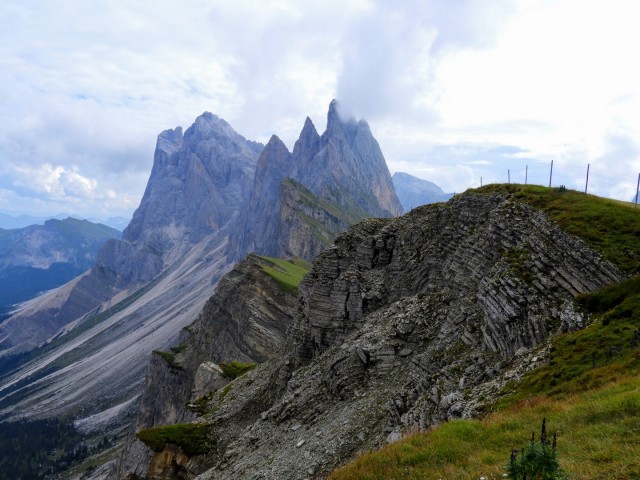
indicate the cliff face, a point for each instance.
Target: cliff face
{"x":198,"y":182}
{"x":340,"y":177}
{"x":245,"y":320}
{"x":402,"y":323}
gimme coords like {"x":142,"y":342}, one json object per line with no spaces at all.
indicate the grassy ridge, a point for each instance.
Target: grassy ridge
{"x":288,"y":273}
{"x":608,"y":226}
{"x":589,"y":391}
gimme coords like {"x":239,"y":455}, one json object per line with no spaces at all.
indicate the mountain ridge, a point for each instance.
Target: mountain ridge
{"x":401,"y":325}
{"x":146,"y":288}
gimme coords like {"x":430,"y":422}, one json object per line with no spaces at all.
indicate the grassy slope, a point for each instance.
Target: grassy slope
{"x":589,"y":391}
{"x":287,"y":273}
{"x":609,"y":226}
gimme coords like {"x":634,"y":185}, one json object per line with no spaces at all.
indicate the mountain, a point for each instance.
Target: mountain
{"x":402,"y":324}
{"x":42,"y":257}
{"x":413,"y":191}
{"x":97,"y":332}
{"x":326,"y":184}
{"x":10,"y":222}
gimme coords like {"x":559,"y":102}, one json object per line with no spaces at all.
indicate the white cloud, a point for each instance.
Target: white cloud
{"x":443,"y":84}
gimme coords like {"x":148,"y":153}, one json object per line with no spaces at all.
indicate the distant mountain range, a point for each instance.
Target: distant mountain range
{"x":413,"y":191}
{"x":42,"y":257}
{"x":8,"y":222}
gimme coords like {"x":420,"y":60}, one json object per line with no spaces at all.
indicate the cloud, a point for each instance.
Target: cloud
{"x":89,"y":85}
{"x":391,"y":53}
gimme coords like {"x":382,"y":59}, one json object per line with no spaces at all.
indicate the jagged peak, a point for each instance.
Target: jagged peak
{"x":309,"y":130}
{"x":170,"y":140}
{"x":308,"y":137}
{"x":339,"y":119}
{"x":210,"y":118}
{"x":275,"y":143}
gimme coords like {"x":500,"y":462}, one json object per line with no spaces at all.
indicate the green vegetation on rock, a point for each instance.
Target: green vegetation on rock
{"x":609,"y":226}
{"x":235,"y":368}
{"x":288,"y":273}
{"x":192,"y":438}
{"x":170,"y":356}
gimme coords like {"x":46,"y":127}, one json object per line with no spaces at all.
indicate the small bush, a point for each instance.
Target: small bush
{"x":235,"y":368}
{"x":536,"y":461}
{"x":192,"y":438}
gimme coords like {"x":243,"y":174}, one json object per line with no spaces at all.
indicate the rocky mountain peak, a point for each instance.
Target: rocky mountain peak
{"x":170,"y":140}
{"x":307,"y":143}
{"x":197,"y":184}
{"x":338,"y":121}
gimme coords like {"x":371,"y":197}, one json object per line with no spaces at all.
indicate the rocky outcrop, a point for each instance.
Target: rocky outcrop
{"x":245,"y":320}
{"x":402,"y":322}
{"x":198,"y":182}
{"x":413,"y":191}
{"x":340,"y":177}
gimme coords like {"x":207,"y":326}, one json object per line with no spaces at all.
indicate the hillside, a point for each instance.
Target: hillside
{"x":586,"y":383}
{"x":42,"y":257}
{"x":403,"y":324}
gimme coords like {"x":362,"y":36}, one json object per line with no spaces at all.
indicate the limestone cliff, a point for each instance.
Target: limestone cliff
{"x":246,"y":320}
{"x":400,"y":324}
{"x":341,"y":174}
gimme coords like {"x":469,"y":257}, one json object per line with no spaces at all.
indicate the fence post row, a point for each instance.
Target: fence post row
{"x":586,"y":185}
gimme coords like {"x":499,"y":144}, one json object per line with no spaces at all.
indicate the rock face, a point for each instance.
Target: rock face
{"x":197,"y":184}
{"x":340,"y":176}
{"x":413,"y":191}
{"x":142,"y":289}
{"x":247,"y":320}
{"x":401,"y":323}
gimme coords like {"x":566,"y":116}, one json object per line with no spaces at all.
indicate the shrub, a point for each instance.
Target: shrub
{"x":536,"y":461}
{"x":192,"y":438}
{"x":235,"y":368}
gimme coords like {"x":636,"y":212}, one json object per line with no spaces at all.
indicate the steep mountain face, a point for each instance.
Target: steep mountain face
{"x":196,"y":187}
{"x":246,"y":320}
{"x":42,"y":257}
{"x":145,"y":288}
{"x":100,"y":328}
{"x":413,"y":191}
{"x":402,"y":324}
{"x":340,"y":176}
{"x":198,"y":182}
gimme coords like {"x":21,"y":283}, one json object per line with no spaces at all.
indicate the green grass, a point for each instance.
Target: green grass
{"x":288,"y":273}
{"x":589,"y":392}
{"x":351,"y":215}
{"x":235,"y":368}
{"x":192,"y":438}
{"x":605,"y":351}
{"x":609,"y":226}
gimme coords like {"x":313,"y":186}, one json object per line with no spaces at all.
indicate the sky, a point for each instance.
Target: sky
{"x":454,"y":91}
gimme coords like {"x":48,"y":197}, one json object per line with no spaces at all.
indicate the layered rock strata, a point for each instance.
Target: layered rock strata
{"x":246,"y":320}
{"x":402,"y":322}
